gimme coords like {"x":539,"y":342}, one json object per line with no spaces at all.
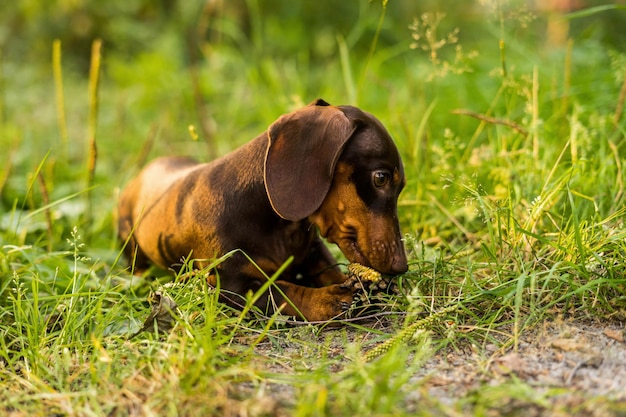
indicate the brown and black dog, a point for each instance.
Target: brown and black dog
{"x":326,"y":168}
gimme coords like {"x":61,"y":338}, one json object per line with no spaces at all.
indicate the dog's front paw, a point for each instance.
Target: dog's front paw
{"x":332,"y":302}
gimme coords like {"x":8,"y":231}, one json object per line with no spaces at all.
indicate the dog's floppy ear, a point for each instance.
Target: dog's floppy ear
{"x":303,"y":149}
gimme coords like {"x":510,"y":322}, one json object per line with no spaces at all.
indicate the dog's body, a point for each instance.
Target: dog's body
{"x":331,"y":167}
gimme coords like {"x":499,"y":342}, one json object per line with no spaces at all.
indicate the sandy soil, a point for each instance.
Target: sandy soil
{"x":576,"y":365}
{"x":562,"y":368}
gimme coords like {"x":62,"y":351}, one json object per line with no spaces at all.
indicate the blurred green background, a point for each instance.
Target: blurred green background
{"x":229,"y":68}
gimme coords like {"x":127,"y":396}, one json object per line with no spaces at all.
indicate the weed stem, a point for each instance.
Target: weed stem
{"x":92,"y":151}
{"x":58,"y":86}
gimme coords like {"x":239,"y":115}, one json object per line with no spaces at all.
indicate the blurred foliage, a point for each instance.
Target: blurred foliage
{"x":276,"y":27}
{"x":229,"y":68}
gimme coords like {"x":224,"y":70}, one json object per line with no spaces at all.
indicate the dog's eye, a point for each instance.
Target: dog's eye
{"x":381,"y":178}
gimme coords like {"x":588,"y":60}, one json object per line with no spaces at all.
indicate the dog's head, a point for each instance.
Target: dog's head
{"x":338,"y":167}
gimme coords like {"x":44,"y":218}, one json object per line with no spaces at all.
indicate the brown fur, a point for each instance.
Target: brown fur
{"x":326,"y":168}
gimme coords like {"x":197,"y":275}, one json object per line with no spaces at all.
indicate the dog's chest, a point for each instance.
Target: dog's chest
{"x":286,"y":240}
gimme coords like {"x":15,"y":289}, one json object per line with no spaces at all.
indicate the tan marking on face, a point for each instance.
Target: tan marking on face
{"x":396,"y":176}
{"x":363,"y":236}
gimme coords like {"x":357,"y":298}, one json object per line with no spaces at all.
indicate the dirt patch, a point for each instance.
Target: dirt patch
{"x":560,"y":367}
{"x":567,"y":362}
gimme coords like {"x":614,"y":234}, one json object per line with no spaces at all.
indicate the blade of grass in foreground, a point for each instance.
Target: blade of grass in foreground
{"x":92,"y":147}
{"x":60,"y":99}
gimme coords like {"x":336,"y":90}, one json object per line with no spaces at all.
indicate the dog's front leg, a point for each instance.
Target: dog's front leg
{"x":238,"y":277}
{"x":319,"y":268}
{"x":313,"y":304}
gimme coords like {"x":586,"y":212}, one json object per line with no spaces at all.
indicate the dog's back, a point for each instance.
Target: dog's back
{"x":142,"y":193}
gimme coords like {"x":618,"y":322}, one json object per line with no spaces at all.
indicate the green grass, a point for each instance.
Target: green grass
{"x":513,"y":210}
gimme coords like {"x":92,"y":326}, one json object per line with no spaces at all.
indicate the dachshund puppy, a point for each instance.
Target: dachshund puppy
{"x":322,"y":171}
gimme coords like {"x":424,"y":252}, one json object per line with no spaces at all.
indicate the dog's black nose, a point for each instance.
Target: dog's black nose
{"x":399,"y":264}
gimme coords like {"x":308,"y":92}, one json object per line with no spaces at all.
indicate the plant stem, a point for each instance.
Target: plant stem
{"x":58,"y":86}
{"x":92,"y":151}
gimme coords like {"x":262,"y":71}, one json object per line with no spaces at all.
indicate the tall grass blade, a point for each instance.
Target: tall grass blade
{"x":346,"y":70}
{"x":421,"y":131}
{"x":619,"y":107}
{"x":92,"y":150}
{"x":519,"y":298}
{"x":535,"y":113}
{"x":594,"y":10}
{"x":573,"y":136}
{"x":46,"y":201}
{"x":567,"y":76}
{"x":1,"y":92}
{"x":501,"y":43}
{"x":374,"y":43}
{"x":576,"y":225}
{"x":30,"y":189}
{"x":58,"y":87}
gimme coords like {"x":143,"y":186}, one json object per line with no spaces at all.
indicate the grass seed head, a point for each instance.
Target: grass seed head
{"x":363,"y":272}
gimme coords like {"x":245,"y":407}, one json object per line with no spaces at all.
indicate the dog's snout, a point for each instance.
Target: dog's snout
{"x":399,"y":264}
{"x":390,"y":259}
